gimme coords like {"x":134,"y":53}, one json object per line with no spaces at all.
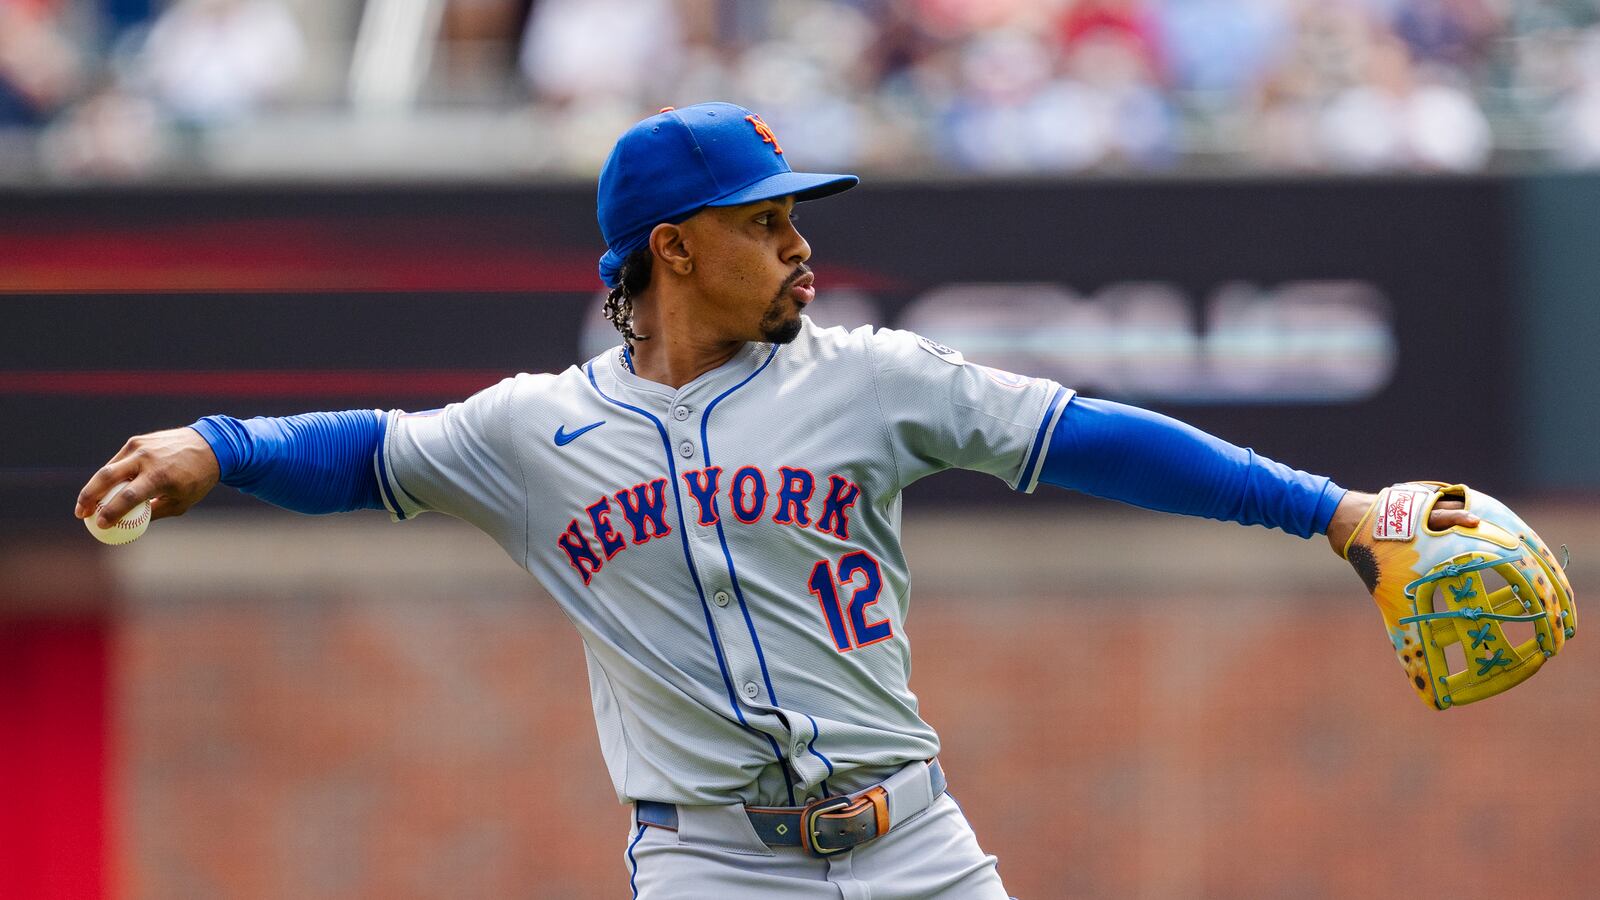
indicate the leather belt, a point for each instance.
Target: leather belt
{"x":821,"y":828}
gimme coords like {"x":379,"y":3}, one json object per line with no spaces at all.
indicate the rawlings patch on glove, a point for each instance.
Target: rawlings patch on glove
{"x":1465,"y":586}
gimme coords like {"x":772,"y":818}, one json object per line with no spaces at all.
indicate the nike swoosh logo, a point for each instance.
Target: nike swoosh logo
{"x":565,"y":437}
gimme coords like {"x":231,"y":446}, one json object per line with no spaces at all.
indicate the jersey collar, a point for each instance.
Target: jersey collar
{"x":616,"y":363}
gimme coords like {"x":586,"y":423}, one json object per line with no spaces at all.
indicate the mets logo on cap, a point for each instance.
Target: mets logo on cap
{"x":765,"y":130}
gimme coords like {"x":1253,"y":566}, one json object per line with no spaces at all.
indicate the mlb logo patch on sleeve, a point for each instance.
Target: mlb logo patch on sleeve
{"x":1397,"y":518}
{"x":949,"y":355}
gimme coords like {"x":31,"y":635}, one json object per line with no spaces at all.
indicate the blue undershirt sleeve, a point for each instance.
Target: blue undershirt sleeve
{"x":314,"y":463}
{"x":1124,"y":453}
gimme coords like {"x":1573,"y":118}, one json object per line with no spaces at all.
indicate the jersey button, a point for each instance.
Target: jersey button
{"x":685,"y":449}
{"x":681,"y":413}
{"x":751,"y":690}
{"x":721,"y":597}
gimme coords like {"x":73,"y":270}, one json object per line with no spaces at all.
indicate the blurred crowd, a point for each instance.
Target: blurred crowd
{"x":122,"y":88}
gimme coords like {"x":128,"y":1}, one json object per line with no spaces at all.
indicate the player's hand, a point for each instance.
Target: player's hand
{"x":1446,"y":514}
{"x":173,"y":469}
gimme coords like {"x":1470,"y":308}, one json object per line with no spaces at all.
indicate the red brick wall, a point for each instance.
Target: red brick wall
{"x":341,"y":708}
{"x":1180,"y":746}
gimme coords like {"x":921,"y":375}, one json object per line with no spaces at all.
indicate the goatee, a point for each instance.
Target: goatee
{"x":780,"y":325}
{"x":781,"y":332}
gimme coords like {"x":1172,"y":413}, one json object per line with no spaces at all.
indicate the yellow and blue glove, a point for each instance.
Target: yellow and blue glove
{"x":1464,"y":585}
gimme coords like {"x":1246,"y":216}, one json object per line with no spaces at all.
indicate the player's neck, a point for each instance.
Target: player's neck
{"x":675,"y":363}
{"x":684,"y":341}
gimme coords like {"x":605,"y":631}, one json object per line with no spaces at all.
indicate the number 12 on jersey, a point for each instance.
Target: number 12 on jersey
{"x":849,"y":626}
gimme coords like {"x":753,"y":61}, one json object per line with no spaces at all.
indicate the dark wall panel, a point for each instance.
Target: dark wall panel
{"x":128,"y":310}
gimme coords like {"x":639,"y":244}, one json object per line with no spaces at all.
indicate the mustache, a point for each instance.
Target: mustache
{"x":799,"y":272}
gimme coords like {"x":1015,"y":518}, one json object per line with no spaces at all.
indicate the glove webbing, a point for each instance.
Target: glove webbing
{"x":1472,"y":613}
{"x":1453,"y":570}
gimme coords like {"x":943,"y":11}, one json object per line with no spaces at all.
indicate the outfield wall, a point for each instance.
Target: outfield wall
{"x":1129,"y":704}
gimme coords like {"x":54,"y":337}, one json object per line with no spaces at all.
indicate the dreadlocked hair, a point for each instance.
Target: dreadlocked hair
{"x":632,"y":279}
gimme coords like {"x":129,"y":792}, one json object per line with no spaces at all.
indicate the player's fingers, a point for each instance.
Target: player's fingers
{"x":1442,"y":517}
{"x":121,"y":467}
{"x":125,"y":498}
{"x":110,"y":475}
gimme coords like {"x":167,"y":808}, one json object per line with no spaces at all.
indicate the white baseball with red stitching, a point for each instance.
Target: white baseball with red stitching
{"x":128,"y":528}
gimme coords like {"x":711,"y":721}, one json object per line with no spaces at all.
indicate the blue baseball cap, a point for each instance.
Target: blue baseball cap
{"x":679,"y":161}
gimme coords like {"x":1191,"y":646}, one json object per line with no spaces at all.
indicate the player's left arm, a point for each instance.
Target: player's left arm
{"x":1146,"y":459}
{"x":941,"y":411}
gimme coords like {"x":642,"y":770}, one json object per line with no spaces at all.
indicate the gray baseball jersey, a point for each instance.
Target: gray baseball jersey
{"x":730,"y":551}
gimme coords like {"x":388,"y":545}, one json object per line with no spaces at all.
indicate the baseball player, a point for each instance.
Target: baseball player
{"x":715,"y":503}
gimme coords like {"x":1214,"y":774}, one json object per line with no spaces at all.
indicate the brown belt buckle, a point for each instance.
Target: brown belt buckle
{"x":849,"y":822}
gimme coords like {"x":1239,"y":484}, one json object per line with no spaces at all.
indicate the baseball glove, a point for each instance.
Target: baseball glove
{"x":1462,"y":586}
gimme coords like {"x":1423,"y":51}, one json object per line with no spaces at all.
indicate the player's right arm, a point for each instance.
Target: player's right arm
{"x":312,"y":463}
{"x":456,"y":460}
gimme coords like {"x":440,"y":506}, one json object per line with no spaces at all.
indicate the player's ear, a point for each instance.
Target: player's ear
{"x":667,"y":243}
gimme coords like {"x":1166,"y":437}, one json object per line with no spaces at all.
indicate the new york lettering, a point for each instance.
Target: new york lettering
{"x":791,"y":496}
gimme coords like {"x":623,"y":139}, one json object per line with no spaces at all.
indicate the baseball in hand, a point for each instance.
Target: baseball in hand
{"x":125,"y":529}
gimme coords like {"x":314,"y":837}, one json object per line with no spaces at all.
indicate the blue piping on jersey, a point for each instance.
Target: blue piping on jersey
{"x":385,"y":417}
{"x":633,"y":864}
{"x":688,"y":560}
{"x":812,"y":746}
{"x":733,"y":575}
{"x":383,"y":468}
{"x":1039,"y":440}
